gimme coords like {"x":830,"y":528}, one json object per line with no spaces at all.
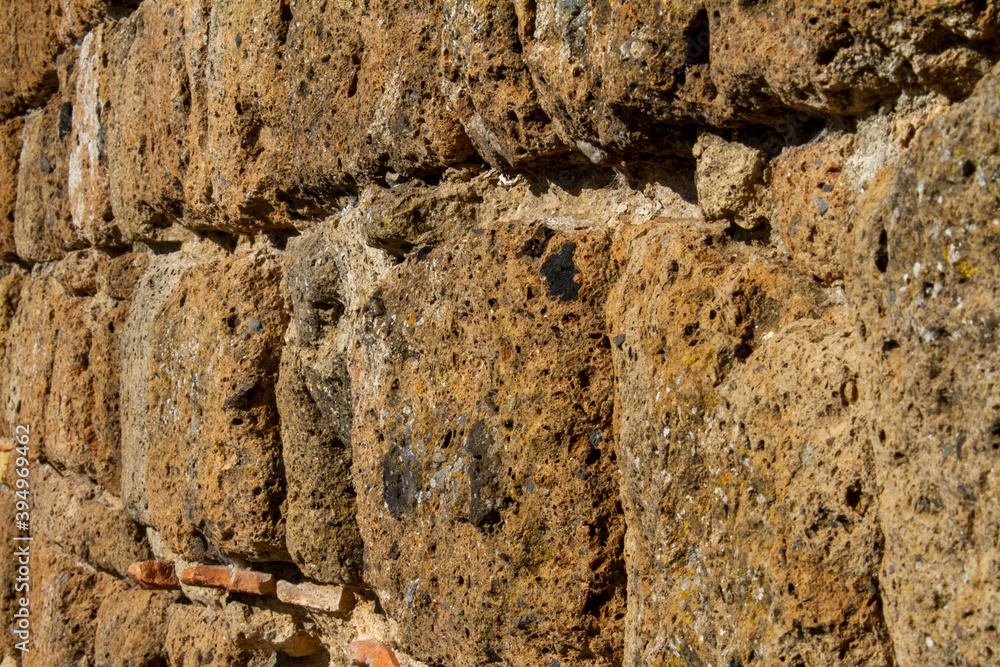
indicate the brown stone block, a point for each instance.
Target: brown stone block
{"x":136,"y":340}
{"x":482,"y":419}
{"x":29,"y":355}
{"x":923,"y":280}
{"x":731,"y":461}
{"x":84,"y":520}
{"x":214,"y":466}
{"x":10,"y":155}
{"x":145,"y":93}
{"x":199,"y":636}
{"x":28,"y":50}
{"x":88,"y":190}
{"x":132,"y":628}
{"x":65,"y":599}
{"x":43,"y":226}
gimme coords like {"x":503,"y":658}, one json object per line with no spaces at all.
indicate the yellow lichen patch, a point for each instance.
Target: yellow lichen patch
{"x":966,"y":269}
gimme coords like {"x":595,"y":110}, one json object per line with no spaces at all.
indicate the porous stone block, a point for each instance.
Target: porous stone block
{"x":744,"y":485}
{"x":213,"y":470}
{"x":136,"y":344}
{"x":132,"y":628}
{"x":482,"y":380}
{"x":923,"y":283}
{"x":86,"y":521}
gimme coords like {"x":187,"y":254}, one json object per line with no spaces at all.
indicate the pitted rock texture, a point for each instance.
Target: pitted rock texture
{"x":744,"y":487}
{"x":924,"y":267}
{"x":214,"y":470}
{"x":525,"y":332}
{"x":487,"y":423}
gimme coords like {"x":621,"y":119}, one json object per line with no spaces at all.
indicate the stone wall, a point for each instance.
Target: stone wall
{"x":526,"y":332}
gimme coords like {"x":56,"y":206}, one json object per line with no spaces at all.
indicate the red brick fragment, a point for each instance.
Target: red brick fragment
{"x":335,"y":599}
{"x":369,"y":653}
{"x":230,"y":578}
{"x":154,"y":575}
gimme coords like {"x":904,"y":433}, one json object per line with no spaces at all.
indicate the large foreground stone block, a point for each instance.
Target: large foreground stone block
{"x":136,"y":344}
{"x":749,"y":490}
{"x":85,"y":521}
{"x":65,"y":598}
{"x":483,"y":455}
{"x":214,"y":469}
{"x":924,"y":282}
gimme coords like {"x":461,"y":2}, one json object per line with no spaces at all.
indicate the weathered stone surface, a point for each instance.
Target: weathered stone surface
{"x":74,"y":18}
{"x":321,"y":531}
{"x":258,"y":278}
{"x":88,"y":191}
{"x":75,"y":514}
{"x":65,"y":600}
{"x":123,"y":275}
{"x":28,"y":50}
{"x":483,"y":416}
{"x":79,"y":271}
{"x":106,"y":318}
{"x":335,"y":599}
{"x":145,"y":95}
{"x":743,"y":487}
{"x":730,"y":181}
{"x":43,"y":228}
{"x":314,"y":403}
{"x":229,"y":577}
{"x":381,"y":75}
{"x":813,"y":204}
{"x":619,"y":76}
{"x":261,"y":626}
{"x":372,"y":654}
{"x":214,"y":467}
{"x":923,"y":284}
{"x":61,"y":375}
{"x":154,"y":574}
{"x":413,"y":214}
{"x":10,"y":154}
{"x":136,"y":345}
{"x":198,"y":636}
{"x":132,"y":628}
{"x":490,"y":86}
{"x":69,"y":439}
{"x":29,"y":352}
